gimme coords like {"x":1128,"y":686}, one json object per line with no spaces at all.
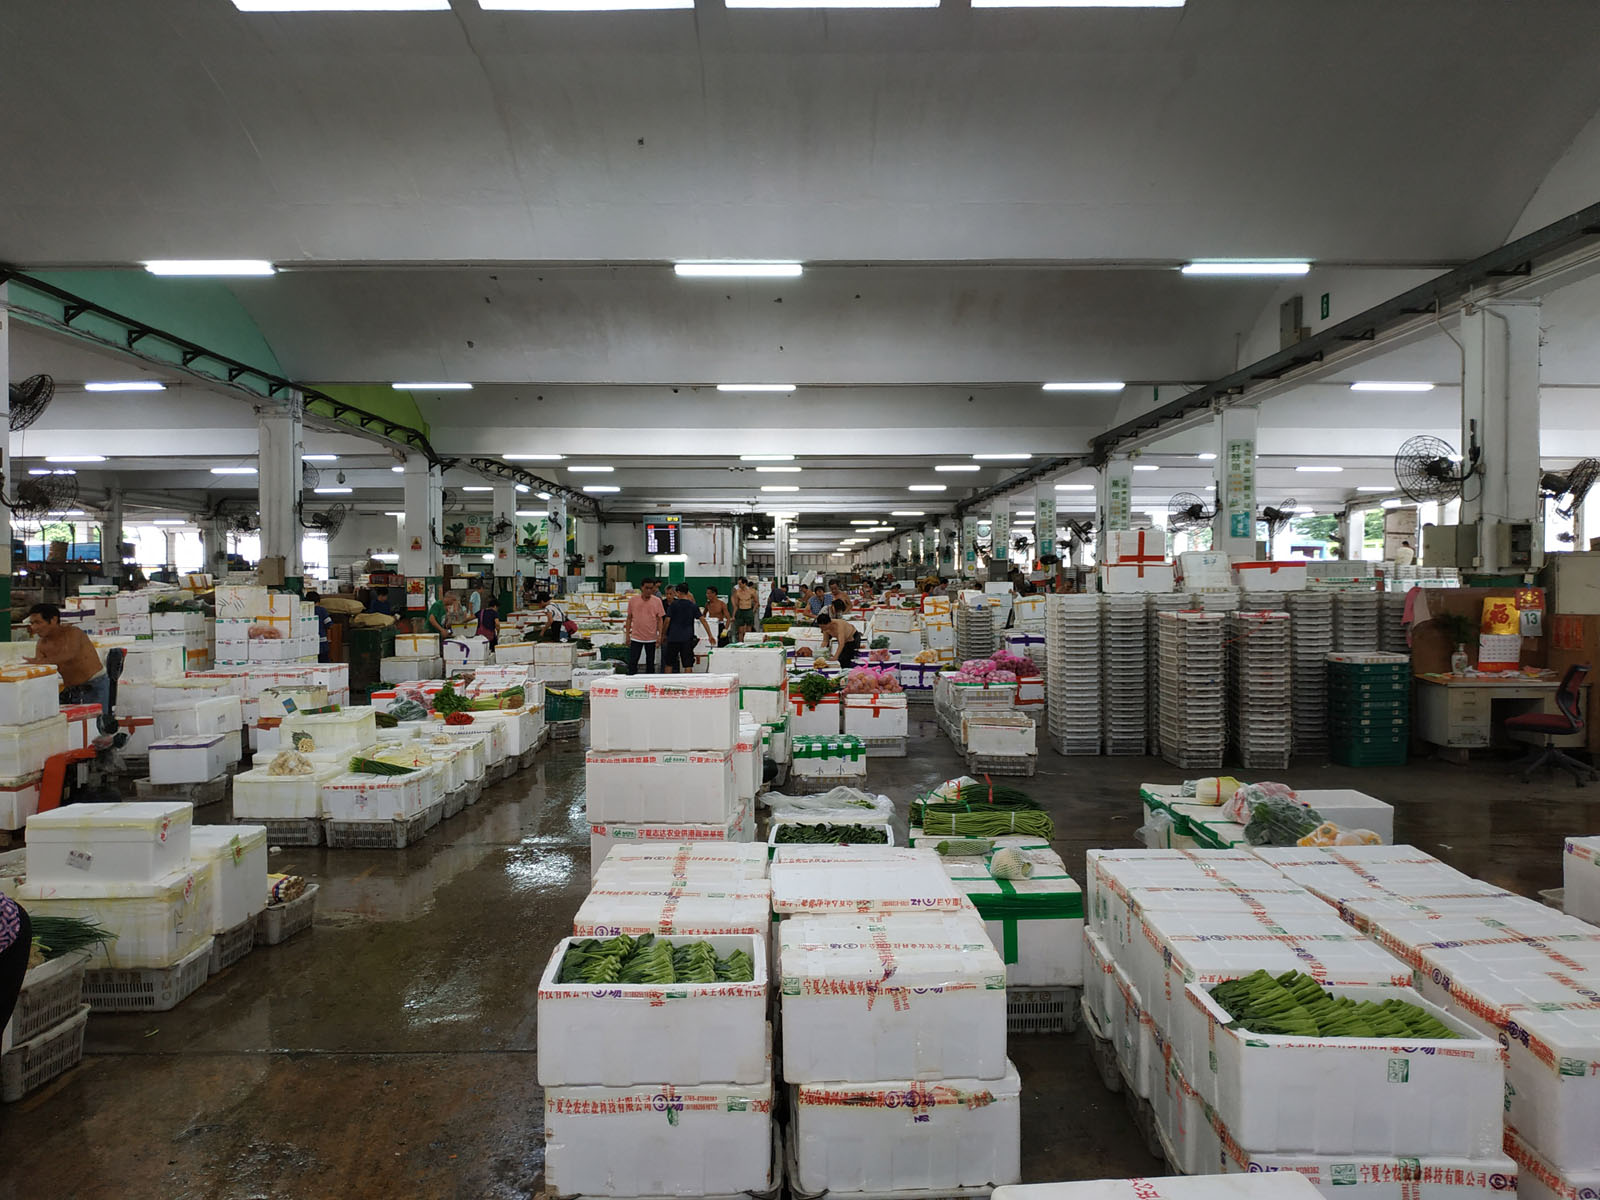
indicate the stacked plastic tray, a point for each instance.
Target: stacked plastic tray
{"x":1392,"y":622}
{"x":1251,"y":600}
{"x":1260,"y":685}
{"x":1224,"y":600}
{"x":1159,"y":602}
{"x":1194,"y":688}
{"x":1311,"y":641}
{"x":1072,"y":680}
{"x":1126,"y":635}
{"x":975,"y":633}
{"x":1369,"y":708}
{"x":1356,"y":622}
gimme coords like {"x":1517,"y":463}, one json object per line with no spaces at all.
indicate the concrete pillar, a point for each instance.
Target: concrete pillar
{"x":780,"y":547}
{"x":586,"y":531}
{"x":1044,"y":520}
{"x":1500,"y":403}
{"x":505,"y":547}
{"x":1000,"y":536}
{"x":278,"y":479}
{"x":1355,"y":534}
{"x":5,"y":462}
{"x":1114,"y":496}
{"x":111,"y":538}
{"x":214,"y":547}
{"x":556,"y":567}
{"x":422,"y":525}
{"x":172,"y":549}
{"x":1233,"y":529}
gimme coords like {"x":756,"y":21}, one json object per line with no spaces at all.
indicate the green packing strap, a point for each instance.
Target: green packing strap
{"x":1008,"y":908}
{"x":851,"y":748}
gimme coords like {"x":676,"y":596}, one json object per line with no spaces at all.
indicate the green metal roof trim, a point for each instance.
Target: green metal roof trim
{"x":379,"y":399}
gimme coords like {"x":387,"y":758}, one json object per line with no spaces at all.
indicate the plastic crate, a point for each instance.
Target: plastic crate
{"x":564,"y":730}
{"x":40,"y":1059}
{"x":455,"y":801}
{"x":376,"y":835}
{"x":51,"y":993}
{"x":1042,"y":1010}
{"x":474,"y":790}
{"x":885,"y":747}
{"x":212,"y":791}
{"x":434,"y":813}
{"x":563,"y":704}
{"x":1102,"y":1051}
{"x":278,"y":922}
{"x":229,"y":946}
{"x":291,"y":831}
{"x":1002,"y":764}
{"x":148,"y":989}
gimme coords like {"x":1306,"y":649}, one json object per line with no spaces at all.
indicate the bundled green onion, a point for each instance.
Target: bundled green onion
{"x":55,"y":936}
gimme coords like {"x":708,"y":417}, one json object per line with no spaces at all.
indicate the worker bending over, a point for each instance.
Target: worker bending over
{"x":844,"y":637}
{"x":69,"y":650}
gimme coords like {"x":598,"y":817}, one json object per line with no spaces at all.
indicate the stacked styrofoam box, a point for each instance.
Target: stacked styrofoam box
{"x":417,"y":645}
{"x":1125,"y":673}
{"x":1580,"y":870}
{"x":977,"y":623}
{"x":1512,"y":969}
{"x":612,"y":1060}
{"x":238,"y":855}
{"x":1392,"y":622}
{"x":128,"y":867}
{"x":1042,"y":948}
{"x":185,"y":629}
{"x":1166,"y":927}
{"x":1193,"y":684}
{"x":1073,"y":678}
{"x":191,"y":758}
{"x":1261,"y":712}
{"x":1282,"y":1186}
{"x":31,"y":726}
{"x":894,"y":1026}
{"x":1311,"y":636}
{"x":1355,"y":622}
{"x":1206,"y":571}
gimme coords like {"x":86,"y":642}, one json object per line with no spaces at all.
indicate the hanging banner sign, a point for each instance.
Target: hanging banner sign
{"x":1044,"y":524}
{"x":969,"y":542}
{"x":1241,"y":488}
{"x":1000,"y":534}
{"x":1119,"y":502}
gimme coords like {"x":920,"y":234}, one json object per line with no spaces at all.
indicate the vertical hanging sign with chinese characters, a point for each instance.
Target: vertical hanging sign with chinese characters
{"x":969,"y":543}
{"x":1000,"y":534}
{"x":1119,"y":502}
{"x":1241,"y":488}
{"x":1044,"y":524}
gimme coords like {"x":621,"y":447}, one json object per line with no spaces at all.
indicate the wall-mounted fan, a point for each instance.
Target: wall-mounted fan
{"x":328,"y":521}
{"x":1429,"y":469}
{"x":1187,"y":511}
{"x":36,"y":497}
{"x":310,"y":477}
{"x":1571,"y":485}
{"x":502,"y":530}
{"x":1277,"y":516}
{"x":29,"y":399}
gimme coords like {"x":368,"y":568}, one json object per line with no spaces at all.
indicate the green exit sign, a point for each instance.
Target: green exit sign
{"x":1324,"y":306}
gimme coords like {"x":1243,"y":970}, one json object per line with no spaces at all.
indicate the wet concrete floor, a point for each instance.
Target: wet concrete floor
{"x":389,"y":1051}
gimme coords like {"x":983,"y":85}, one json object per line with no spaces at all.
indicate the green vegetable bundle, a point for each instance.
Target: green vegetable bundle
{"x":881,"y":642}
{"x":447,"y":700}
{"x":371,"y":766}
{"x":648,"y":959}
{"x":408,"y":710}
{"x":813,"y":687}
{"x":823,"y":833}
{"x":1279,"y":821}
{"x":981,"y":811}
{"x":55,"y":936}
{"x":386,"y":720}
{"x":1296,"y":1005}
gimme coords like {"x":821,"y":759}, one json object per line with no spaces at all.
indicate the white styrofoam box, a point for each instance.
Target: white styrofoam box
{"x":514,"y":652}
{"x":238,"y":854}
{"x":281,"y":604}
{"x":664,"y":712}
{"x":333,"y":676}
{"x":472,"y":649}
{"x":83,"y":724}
{"x":748,"y":773}
{"x":149,"y":662}
{"x":347,"y":729}
{"x":756,"y":666}
{"x":349,"y":797}
{"x":1135,"y":543}
{"x":28,"y":693}
{"x":1133,"y":1032}
{"x":492,"y":736}
{"x":143,"y":699}
{"x":824,"y":718}
{"x":913,"y":996}
{"x":231,"y":631}
{"x":1110,"y":873}
{"x":1030,"y":692}
{"x":258,"y":795}
{"x":416,"y":645}
{"x":1036,"y":923}
{"x":1186,"y":1132}
{"x":1197,"y":1187}
{"x":132,"y":604}
{"x":659,"y":1139}
{"x":282,"y":699}
{"x":141,"y":732}
{"x":999,"y":734}
{"x":155,"y":924}
{"x":827,"y":756}
{"x":24,"y":748}
{"x":177,"y":622}
{"x":109,"y":843}
{"x":1373,"y":1177}
{"x":1580,"y":873}
{"x":861,"y":879}
{"x":520,"y":725}
{"x":656,"y":854}
{"x":1205,"y":570}
{"x":555,"y":654}
{"x":939,"y":634}
{"x":207,"y":714}
{"x":603,"y":837}
{"x":907,"y":1135}
{"x":19,"y":800}
{"x":193,"y":758}
{"x":1099,"y":979}
{"x":223,"y":681}
{"x":625,"y":1033}
{"x":1136,"y":577}
{"x":635,"y":906}
{"x":919,"y":677}
{"x":1271,"y":576}
{"x":692,"y":788}
{"x":273,"y":650}
{"x":474,"y":748}
{"x":881,"y":715}
{"x":893,"y":620}
{"x":1539,"y":1179}
{"x":1352,"y":1095}
{"x":1350,"y":809}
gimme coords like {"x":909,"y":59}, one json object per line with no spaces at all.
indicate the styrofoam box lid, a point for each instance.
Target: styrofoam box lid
{"x":666,"y":687}
{"x":815,"y":880}
{"x":692,"y":860}
{"x":898,"y":1093}
{"x":369,"y":783}
{"x":1490,"y":969}
{"x":1279,"y":1185}
{"x":641,"y":907}
{"x":172,"y":887}
{"x":145,"y":821}
{"x":345,"y":716}
{"x":189,"y":741}
{"x":908,"y":950}
{"x":210,"y":841}
{"x":1383,"y":910}
{"x":660,"y":757}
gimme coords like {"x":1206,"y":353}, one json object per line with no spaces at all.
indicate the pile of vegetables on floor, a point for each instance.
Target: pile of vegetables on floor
{"x":824,"y":833}
{"x":55,"y":936}
{"x":966,"y":808}
{"x":868,"y":681}
{"x":651,"y":960}
{"x":1296,"y":1005}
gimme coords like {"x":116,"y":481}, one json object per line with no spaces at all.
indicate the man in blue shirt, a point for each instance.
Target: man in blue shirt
{"x":819,"y":603}
{"x":677,"y":647}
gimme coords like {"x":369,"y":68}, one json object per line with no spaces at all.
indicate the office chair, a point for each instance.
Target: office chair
{"x":1564,"y":723}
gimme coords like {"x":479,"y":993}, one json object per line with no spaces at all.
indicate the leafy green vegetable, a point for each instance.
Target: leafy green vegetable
{"x":1279,"y":821}
{"x":813,"y":687}
{"x":652,"y":961}
{"x":55,"y":936}
{"x":371,"y":766}
{"x":1296,"y":1005}
{"x":822,"y":833}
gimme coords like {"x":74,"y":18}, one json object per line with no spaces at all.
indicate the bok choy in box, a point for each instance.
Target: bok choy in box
{"x":641,"y":1010}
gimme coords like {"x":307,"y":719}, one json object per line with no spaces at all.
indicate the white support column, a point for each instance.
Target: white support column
{"x":780,"y":547}
{"x":172,"y":549}
{"x":278,"y":480}
{"x":1500,"y":399}
{"x":556,"y":567}
{"x":111,"y":538}
{"x":505,"y":549}
{"x":5,"y":458}
{"x":1355,"y":534}
{"x":1233,"y":530}
{"x":1114,"y":496}
{"x":1000,"y":535}
{"x":214,"y":547}
{"x":586,"y":531}
{"x":420,"y":527}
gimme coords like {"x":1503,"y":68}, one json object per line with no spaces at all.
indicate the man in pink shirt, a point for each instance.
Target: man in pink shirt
{"x":643,"y":627}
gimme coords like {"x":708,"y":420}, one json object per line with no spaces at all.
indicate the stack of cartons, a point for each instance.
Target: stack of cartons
{"x":1165,"y":927}
{"x":416,"y":657}
{"x":1073,"y":679}
{"x":1311,"y":636}
{"x":1125,"y":668}
{"x":186,"y":629}
{"x":32,"y":728}
{"x":894,"y":1026}
{"x":763,"y":677}
{"x":256,"y":625}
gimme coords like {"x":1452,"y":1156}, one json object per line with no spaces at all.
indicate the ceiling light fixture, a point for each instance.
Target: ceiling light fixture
{"x":766,"y":458}
{"x":1395,"y":503}
{"x":779,"y":487}
{"x":1078,"y":3}
{"x":1002,"y":457}
{"x":1206,"y":457}
{"x":601,"y":488}
{"x":76,"y":458}
{"x":958,"y":467}
{"x":431,"y":387}
{"x":1074,"y":487}
{"x":755,"y":387}
{"x":1378,"y":385}
{"x":333,"y":491}
{"x":521,"y":487}
{"x":169,"y":521}
{"x":210,"y":266}
{"x":907,"y":512}
{"x":581,"y":5}
{"x":394,"y":514}
{"x":1320,"y":470}
{"x":1368,"y":487}
{"x":590,"y":469}
{"x":736,"y":269}
{"x":319,"y":458}
{"x":777,"y":470}
{"x":542,"y":495}
{"x":1246,"y":267}
{"x":864,"y":520}
{"x":476,"y":487}
{"x":126,"y":385}
{"x":533,"y":457}
{"x":1109,"y":385}
{"x":270,"y":6}
{"x":1146,"y":467}
{"x":233,"y":470}
{"x":926,"y":487}
{"x":533,"y":512}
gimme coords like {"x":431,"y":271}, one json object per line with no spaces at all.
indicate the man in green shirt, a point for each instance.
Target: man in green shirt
{"x":438,"y":620}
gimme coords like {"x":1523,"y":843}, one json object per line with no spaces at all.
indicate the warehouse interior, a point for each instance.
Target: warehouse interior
{"x":831,"y":290}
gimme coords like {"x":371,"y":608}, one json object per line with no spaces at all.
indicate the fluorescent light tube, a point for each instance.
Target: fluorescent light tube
{"x":1146,"y":467}
{"x":301,"y":6}
{"x":477,"y":488}
{"x":779,"y":487}
{"x":905,"y":512}
{"x":126,"y":385}
{"x":319,"y":458}
{"x":542,"y":495}
{"x":1390,"y":503}
{"x":755,"y":387}
{"x":333,"y":491}
{"x":435,"y":386}
{"x":1378,"y":385}
{"x":864,"y":521}
{"x":532,"y":512}
{"x":766,"y":458}
{"x":926,"y":487}
{"x":394,"y":514}
{"x":533,"y":457}
{"x":1320,"y":470}
{"x":1108,"y":385}
{"x":777,"y":470}
{"x":1074,"y":487}
{"x":75,"y":458}
{"x":521,"y":487}
{"x":233,"y":470}
{"x":1207,"y":457}
{"x":1002,"y":457}
{"x":1245,"y":267}
{"x":958,"y":467}
{"x":169,"y":521}
{"x":1077,"y":3}
{"x":210,"y":266}
{"x":601,"y":488}
{"x":590,"y":469}
{"x":736,"y":269}
{"x":1382,"y":487}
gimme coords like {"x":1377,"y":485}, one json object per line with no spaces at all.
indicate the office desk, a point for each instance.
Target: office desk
{"x":1460,"y":713}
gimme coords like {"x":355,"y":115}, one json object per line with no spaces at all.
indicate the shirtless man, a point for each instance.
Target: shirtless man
{"x":744,"y":609}
{"x":69,"y":650}
{"x":717,"y":610}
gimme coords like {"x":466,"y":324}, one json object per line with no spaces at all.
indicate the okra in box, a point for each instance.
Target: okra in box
{"x":618,"y":1034}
